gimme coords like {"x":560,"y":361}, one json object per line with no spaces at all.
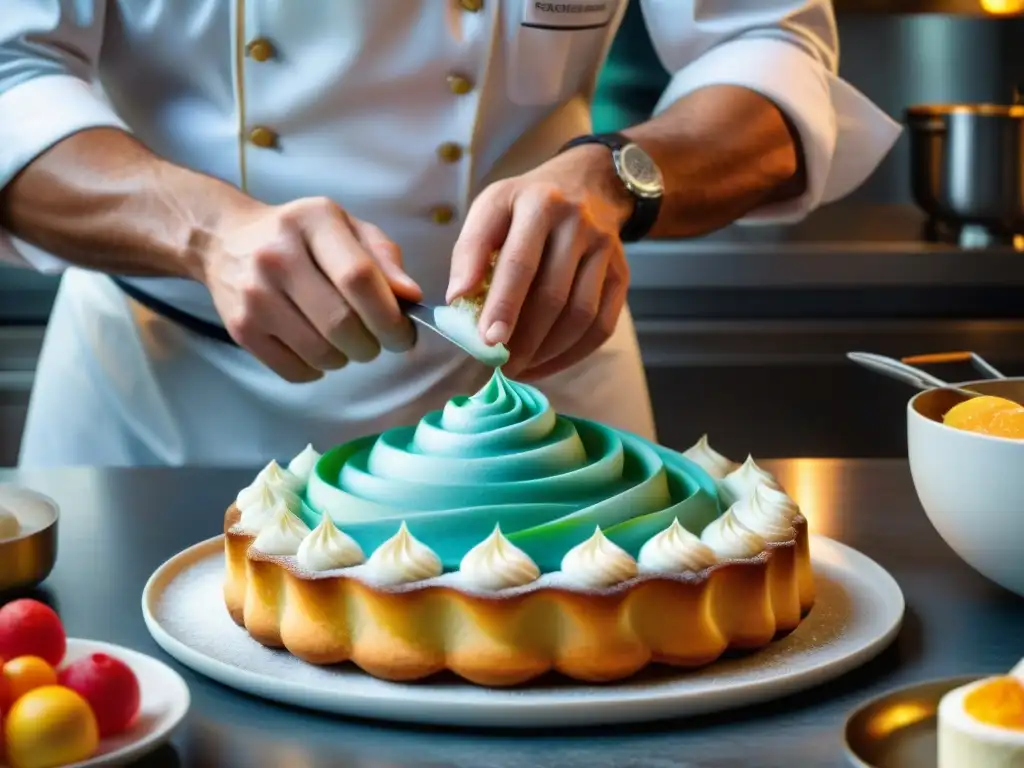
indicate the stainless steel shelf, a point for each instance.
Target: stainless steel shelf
{"x":812,"y":342}
{"x":971,"y":8}
{"x":840,"y":246}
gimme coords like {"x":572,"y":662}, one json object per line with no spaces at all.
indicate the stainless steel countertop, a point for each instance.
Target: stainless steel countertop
{"x":118,"y":526}
{"x":838,"y":246}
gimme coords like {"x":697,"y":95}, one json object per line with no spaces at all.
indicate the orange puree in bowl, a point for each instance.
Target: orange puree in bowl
{"x":999,"y":702}
{"x":988,"y":415}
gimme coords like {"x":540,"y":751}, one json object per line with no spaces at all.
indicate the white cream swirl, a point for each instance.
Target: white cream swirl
{"x":402,"y":559}
{"x":302,"y":465}
{"x":10,"y":526}
{"x":777,"y":502}
{"x":283,"y":535}
{"x":327,"y":548}
{"x":711,"y":461}
{"x":1018,"y":670}
{"x":258,"y":506}
{"x":278,"y":479}
{"x":497,"y":563}
{"x":598,"y":562}
{"x":730,"y":539}
{"x":768,"y":521}
{"x":740,"y":483}
{"x":675,"y":550}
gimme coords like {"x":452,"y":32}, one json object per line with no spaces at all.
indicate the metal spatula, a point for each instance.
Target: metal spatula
{"x":456,"y":327}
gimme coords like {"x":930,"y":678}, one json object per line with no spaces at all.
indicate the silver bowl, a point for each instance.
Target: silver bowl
{"x":27,"y":559}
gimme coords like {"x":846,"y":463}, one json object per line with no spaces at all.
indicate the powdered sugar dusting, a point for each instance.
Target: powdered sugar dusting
{"x":857,"y":611}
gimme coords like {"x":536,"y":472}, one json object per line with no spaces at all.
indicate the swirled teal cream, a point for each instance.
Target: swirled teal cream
{"x":503,"y":458}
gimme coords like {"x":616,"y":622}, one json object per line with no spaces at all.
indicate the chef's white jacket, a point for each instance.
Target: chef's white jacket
{"x":401,"y":111}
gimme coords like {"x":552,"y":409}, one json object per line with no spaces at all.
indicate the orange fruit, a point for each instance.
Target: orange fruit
{"x":4,"y":698}
{"x":988,"y":415}
{"x":25,"y":673}
{"x":49,"y":727}
{"x":999,"y":702}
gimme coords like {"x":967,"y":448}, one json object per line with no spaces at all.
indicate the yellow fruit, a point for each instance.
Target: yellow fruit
{"x":25,"y":673}
{"x":49,"y":727}
{"x":988,"y":415}
{"x":999,"y":702}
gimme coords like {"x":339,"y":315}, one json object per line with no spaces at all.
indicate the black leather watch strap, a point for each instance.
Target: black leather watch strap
{"x":645,"y":209}
{"x":610,"y":140}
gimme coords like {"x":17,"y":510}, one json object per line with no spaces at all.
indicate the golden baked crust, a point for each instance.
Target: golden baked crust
{"x":412,"y":631}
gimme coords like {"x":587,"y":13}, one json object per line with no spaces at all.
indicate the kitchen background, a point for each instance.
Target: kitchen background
{"x":744,"y":332}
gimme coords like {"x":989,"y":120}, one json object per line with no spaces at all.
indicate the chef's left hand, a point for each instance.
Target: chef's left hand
{"x":561,"y":278}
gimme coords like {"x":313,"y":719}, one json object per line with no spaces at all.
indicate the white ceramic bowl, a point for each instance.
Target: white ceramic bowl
{"x":971,"y":485}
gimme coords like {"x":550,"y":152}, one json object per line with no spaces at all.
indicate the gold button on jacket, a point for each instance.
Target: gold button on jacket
{"x":260,"y":50}
{"x":263,"y":137}
{"x":442,"y":214}
{"x":459,"y":84}
{"x":450,"y":152}
{"x":471,"y":5}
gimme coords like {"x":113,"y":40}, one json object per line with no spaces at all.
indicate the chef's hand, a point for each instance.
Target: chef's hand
{"x":306,"y":287}
{"x":561,"y":277}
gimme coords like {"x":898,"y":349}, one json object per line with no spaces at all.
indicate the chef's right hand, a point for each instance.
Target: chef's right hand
{"x":306,"y":287}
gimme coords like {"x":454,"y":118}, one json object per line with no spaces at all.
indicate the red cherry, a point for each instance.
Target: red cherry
{"x":31,"y":628}
{"x":110,"y":687}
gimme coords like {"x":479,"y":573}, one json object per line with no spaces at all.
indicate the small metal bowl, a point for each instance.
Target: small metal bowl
{"x":27,"y":559}
{"x":899,"y":729}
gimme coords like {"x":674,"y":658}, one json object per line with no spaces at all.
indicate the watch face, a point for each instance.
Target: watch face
{"x":639,"y":171}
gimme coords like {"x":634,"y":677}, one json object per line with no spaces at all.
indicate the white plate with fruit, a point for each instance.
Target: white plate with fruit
{"x":70,"y":703}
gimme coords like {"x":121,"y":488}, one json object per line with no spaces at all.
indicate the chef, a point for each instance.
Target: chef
{"x":238,"y":192}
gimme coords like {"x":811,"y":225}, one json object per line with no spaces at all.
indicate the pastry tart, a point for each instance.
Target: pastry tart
{"x":501,"y":541}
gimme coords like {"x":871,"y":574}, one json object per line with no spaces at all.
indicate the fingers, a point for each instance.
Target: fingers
{"x":306,"y":288}
{"x":532,"y":219}
{"x":389,"y":259}
{"x":282,"y":361}
{"x":369,"y":309}
{"x":295,"y":351}
{"x":263,"y":320}
{"x":580,"y":311}
{"x":295,"y":331}
{"x":613,"y":299}
{"x":327,"y":313}
{"x":548,"y":305}
{"x":486,"y":229}
{"x":546,"y":301}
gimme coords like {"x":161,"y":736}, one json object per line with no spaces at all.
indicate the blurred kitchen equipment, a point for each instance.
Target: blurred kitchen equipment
{"x":967,"y":169}
{"x":900,"y":727}
{"x":901,"y":371}
{"x":27,"y":559}
{"x":970,"y":484}
{"x":979,"y":363}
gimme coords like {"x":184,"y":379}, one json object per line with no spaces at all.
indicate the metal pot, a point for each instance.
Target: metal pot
{"x":27,"y":560}
{"x":967,"y":166}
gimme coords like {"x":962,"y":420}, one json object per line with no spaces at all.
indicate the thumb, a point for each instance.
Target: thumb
{"x":389,"y":258}
{"x":483,"y":234}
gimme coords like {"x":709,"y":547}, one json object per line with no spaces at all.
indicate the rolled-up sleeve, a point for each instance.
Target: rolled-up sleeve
{"x":788,"y":52}
{"x":48,"y":56}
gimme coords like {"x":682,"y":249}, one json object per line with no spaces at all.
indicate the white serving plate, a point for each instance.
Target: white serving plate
{"x":857,"y":614}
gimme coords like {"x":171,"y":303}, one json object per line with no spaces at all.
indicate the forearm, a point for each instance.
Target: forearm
{"x":724,"y":151}
{"x":101,"y":200}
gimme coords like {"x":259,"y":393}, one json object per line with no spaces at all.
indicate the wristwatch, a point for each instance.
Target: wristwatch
{"x":639,"y":174}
